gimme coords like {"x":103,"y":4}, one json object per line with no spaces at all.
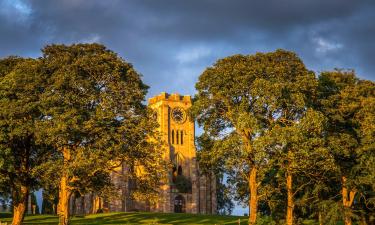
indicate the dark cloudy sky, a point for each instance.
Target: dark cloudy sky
{"x":171,"y":42}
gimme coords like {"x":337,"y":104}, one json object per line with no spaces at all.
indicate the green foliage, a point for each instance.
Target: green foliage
{"x":77,"y":112}
{"x":47,"y":207}
{"x":265,"y":220}
{"x":244,"y":92}
{"x":349,"y":105}
{"x":224,"y":202}
{"x":210,"y":163}
{"x":299,"y":149}
{"x":183,"y":184}
{"x":4,"y":202}
{"x":269,"y":112}
{"x":92,"y":109}
{"x":241,"y":99}
{"x":20,"y":89}
{"x":50,"y":199}
{"x":8,"y":64}
{"x":35,"y":203}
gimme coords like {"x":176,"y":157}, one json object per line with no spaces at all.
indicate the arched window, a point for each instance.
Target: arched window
{"x":172,"y":136}
{"x":174,"y":173}
{"x":179,"y":204}
{"x":176,"y":136}
{"x":182,"y":138}
{"x":179,"y":171}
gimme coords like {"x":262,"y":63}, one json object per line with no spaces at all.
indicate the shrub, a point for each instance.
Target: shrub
{"x":183,"y":184}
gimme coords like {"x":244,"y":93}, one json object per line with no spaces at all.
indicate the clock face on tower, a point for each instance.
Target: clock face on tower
{"x":178,"y":115}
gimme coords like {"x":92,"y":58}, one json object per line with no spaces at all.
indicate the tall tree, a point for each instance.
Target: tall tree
{"x":249,"y":94}
{"x":94,"y":117}
{"x":20,"y":89}
{"x":348,"y":103}
{"x":50,"y":200}
{"x":297,"y":150}
{"x":212,"y":164}
{"x":34,"y":204}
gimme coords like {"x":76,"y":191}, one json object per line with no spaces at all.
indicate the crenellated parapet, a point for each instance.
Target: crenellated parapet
{"x":163,"y":96}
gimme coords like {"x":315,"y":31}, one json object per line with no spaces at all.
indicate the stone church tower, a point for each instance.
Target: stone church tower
{"x":178,"y":132}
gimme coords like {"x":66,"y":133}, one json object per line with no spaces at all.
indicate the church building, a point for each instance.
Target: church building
{"x":178,"y":132}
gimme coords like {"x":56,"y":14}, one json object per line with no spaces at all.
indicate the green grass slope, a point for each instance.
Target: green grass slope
{"x":133,"y":218}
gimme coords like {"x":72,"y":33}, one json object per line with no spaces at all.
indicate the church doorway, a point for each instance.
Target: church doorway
{"x":179,"y":204}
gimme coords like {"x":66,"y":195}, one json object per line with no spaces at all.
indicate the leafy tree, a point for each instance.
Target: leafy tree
{"x":50,"y":200}
{"x":34,"y":204}
{"x":248,"y":95}
{"x":213,"y":166}
{"x":298,"y":153}
{"x":4,"y":202}
{"x":348,"y":103}
{"x":20,"y":88}
{"x":183,"y":184}
{"x":94,"y":117}
{"x":225,"y":204}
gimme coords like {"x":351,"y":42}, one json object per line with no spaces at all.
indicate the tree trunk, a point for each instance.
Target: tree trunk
{"x":320,"y":218}
{"x":74,"y":205}
{"x":253,"y":201}
{"x":20,"y":188}
{"x":83,"y":212}
{"x":96,"y":205}
{"x":64,"y":192}
{"x":290,"y":206}
{"x":64,"y":196}
{"x":20,"y":199}
{"x":347,"y":201}
{"x":209,"y":200}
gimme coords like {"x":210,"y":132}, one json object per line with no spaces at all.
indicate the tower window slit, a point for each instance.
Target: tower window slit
{"x":182,"y":138}
{"x":176,"y":136}
{"x":179,"y":171}
{"x":172,"y":136}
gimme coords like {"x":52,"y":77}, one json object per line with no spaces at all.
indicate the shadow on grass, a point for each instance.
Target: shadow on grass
{"x":5,"y":215}
{"x":157,"y":218}
{"x":137,"y":218}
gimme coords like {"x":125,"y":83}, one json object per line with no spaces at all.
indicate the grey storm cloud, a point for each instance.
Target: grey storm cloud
{"x":171,"y":42}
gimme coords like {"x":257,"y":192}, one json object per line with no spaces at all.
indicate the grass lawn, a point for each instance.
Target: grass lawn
{"x":133,"y":218}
